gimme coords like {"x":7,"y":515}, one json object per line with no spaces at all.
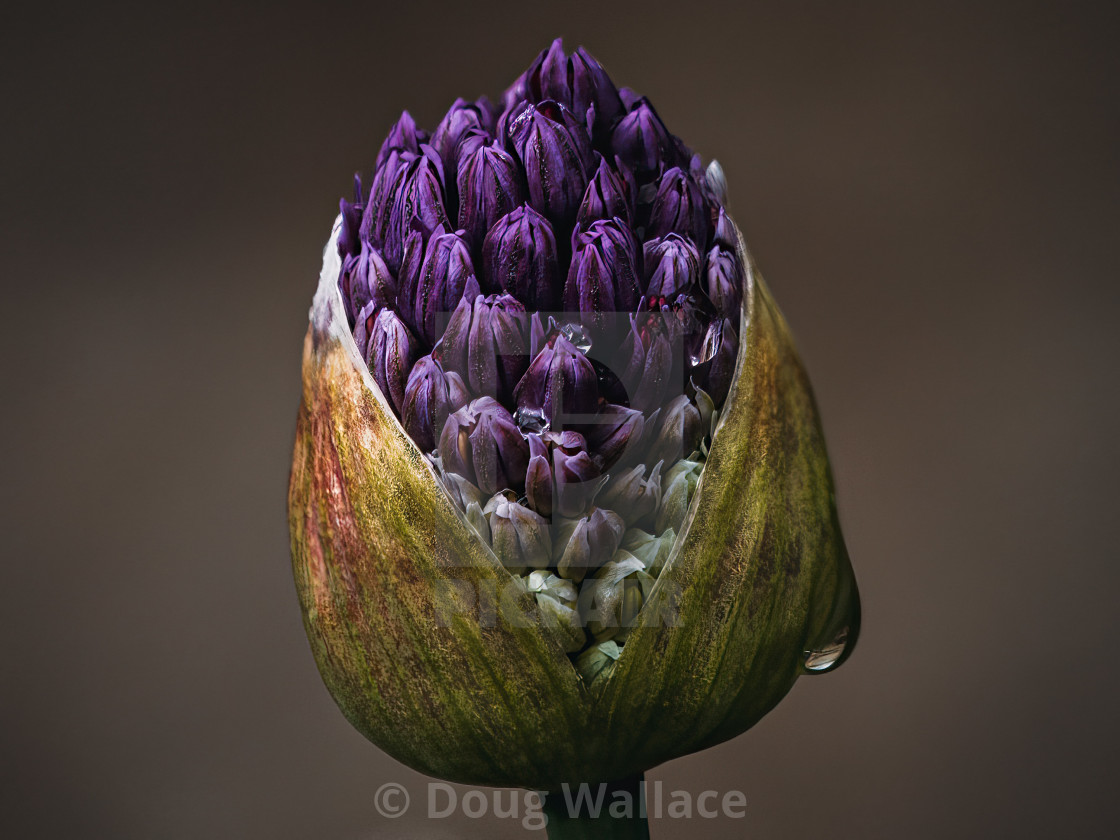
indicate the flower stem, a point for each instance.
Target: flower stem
{"x":606,"y":811}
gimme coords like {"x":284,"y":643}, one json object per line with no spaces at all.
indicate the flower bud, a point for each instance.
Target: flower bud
{"x":678,"y":486}
{"x":607,"y":196}
{"x":646,"y":361}
{"x":482,"y":443}
{"x":562,"y":477}
{"x":461,"y":118}
{"x":641,"y":140}
{"x":404,"y":136}
{"x":487,"y":342}
{"x":363,"y":328}
{"x":519,"y":536}
{"x":578,"y":82}
{"x":575,"y":479}
{"x":439,"y":286}
{"x":615,"y":435}
{"x":678,"y":207}
{"x":461,"y":491}
{"x":560,"y":384}
{"x":378,"y":208}
{"x":391,"y":352}
{"x":417,"y":204}
{"x":349,"y":232}
{"x":652,"y":551}
{"x":679,"y":433}
{"x":555,"y":151}
{"x":519,"y":257}
{"x":394,"y":545}
{"x":596,"y":664}
{"x":632,"y":495}
{"x":603,"y":276}
{"x":478,"y":521}
{"x":430,"y":395}
{"x":489,"y":184}
{"x":586,"y":544}
{"x":538,"y":477}
{"x":364,"y":279}
{"x":562,"y":621}
{"x":614,"y":597}
{"x":672,"y":265}
{"x":725,"y":232}
{"x":546,"y":583}
{"x":723,"y":282}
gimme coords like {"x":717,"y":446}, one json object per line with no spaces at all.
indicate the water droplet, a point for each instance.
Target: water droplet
{"x":828,"y":656}
{"x":531,"y":420}
{"x":577,"y":336}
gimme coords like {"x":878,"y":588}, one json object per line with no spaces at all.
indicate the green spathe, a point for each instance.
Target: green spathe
{"x":419,"y":631}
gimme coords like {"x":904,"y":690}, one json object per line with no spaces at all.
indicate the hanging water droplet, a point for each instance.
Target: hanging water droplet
{"x":827,"y":657}
{"x":531,"y":420}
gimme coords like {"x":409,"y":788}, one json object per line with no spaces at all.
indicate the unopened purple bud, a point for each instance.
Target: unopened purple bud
{"x":367,"y":279}
{"x":349,"y":232}
{"x":604,"y":273}
{"x":723,"y":282}
{"x":363,"y":328}
{"x":462,"y":117}
{"x":555,"y":151}
{"x":487,"y":342}
{"x":577,"y":82}
{"x":647,"y":361}
{"x":725,"y":233}
{"x":391,"y":352}
{"x":351,"y":263}
{"x":482,"y":443}
{"x":417,"y":204}
{"x":714,"y":359}
{"x":379,"y":205}
{"x":517,"y":92}
{"x":561,"y":384}
{"x":679,"y":432}
{"x":489,"y":184}
{"x":641,"y":140}
{"x":591,"y":86}
{"x":607,"y":196}
{"x":615,"y":434}
{"x":404,"y":136}
{"x":679,"y":207}
{"x":672,"y":264}
{"x":440,"y":285}
{"x":519,"y":257}
{"x":430,"y":395}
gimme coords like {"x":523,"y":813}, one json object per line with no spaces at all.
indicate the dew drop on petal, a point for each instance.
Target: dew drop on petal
{"x":531,"y":420}
{"x":827,"y":657}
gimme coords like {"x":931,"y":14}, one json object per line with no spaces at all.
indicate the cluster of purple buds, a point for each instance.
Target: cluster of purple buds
{"x":548,"y":294}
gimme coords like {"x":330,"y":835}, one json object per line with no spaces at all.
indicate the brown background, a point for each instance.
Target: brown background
{"x":932,"y":192}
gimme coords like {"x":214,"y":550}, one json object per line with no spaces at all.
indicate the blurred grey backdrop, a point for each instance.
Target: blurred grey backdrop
{"x":931,"y":190}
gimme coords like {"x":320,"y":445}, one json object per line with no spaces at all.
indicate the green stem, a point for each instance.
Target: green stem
{"x":586,"y":813}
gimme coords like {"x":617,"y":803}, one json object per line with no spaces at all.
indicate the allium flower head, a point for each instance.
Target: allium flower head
{"x":543,"y":373}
